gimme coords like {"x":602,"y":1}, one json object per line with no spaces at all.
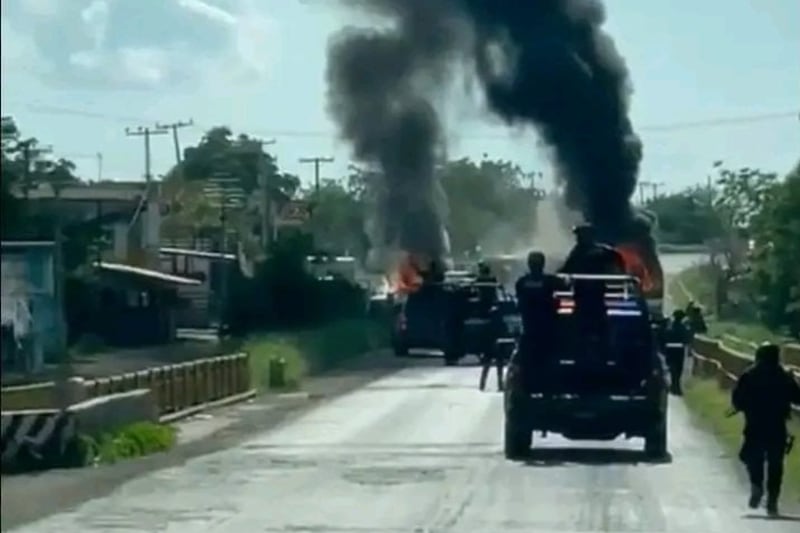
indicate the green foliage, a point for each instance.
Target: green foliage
{"x":195,"y":211}
{"x":775,"y":229}
{"x":490,"y":205}
{"x":309,"y":350}
{"x":685,"y":218}
{"x":288,"y":296}
{"x":136,"y":440}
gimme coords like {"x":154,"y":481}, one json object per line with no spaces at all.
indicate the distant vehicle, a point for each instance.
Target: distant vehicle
{"x":584,"y":392}
{"x":424,"y":319}
{"x":421,"y":320}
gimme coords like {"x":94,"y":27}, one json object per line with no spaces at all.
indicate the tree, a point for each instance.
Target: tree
{"x":740,"y":197}
{"x":489,"y":205}
{"x":337,"y":221}
{"x":775,"y":229}
{"x":193,"y":213}
{"x":686,"y":217}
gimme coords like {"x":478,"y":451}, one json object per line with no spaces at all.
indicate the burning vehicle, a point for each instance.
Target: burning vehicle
{"x":643,"y":264}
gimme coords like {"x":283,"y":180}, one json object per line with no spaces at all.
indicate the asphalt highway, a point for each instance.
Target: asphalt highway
{"x":420,"y":451}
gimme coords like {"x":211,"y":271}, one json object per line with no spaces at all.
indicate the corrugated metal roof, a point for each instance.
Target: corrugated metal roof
{"x":147,"y":273}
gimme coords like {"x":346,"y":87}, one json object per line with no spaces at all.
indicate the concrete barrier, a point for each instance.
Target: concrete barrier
{"x":35,"y":396}
{"x":107,"y":414}
{"x":48,"y":438}
{"x":174,"y":387}
{"x":35,"y":439}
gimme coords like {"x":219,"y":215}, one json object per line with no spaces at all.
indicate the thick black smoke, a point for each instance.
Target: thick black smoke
{"x":562,"y":73}
{"x":546,"y":63}
{"x":381,"y":84}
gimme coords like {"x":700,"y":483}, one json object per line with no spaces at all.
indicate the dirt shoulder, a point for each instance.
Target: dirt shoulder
{"x":30,"y":497}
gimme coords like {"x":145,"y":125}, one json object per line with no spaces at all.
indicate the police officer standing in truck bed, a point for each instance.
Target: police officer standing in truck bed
{"x":535,"y":298}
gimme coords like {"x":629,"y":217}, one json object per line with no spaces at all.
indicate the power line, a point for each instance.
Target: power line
{"x":675,"y":126}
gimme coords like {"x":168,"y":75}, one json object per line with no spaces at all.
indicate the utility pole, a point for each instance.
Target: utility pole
{"x":655,"y":187}
{"x":29,"y":152}
{"x":226,"y":193}
{"x":316,"y":161}
{"x":175,"y":126}
{"x":266,"y":200}
{"x":146,"y":132}
{"x":642,"y":185}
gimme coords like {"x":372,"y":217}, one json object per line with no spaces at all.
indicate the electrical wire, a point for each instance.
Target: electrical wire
{"x":44,"y":109}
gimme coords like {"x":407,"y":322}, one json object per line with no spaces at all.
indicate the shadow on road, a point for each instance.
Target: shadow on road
{"x":779,"y":518}
{"x":544,"y":457}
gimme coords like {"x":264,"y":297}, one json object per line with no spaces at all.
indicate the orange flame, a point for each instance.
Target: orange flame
{"x":650,"y":276}
{"x":407,"y":276}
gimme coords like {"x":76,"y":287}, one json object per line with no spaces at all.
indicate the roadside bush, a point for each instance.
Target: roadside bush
{"x":284,"y":295}
{"x":136,"y":440}
{"x":311,"y":350}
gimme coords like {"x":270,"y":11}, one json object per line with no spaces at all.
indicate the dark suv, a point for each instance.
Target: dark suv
{"x":446,"y":317}
{"x":585,"y":388}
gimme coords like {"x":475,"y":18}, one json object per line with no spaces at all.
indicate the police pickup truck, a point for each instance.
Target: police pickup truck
{"x":445,"y":317}
{"x":593,"y":383}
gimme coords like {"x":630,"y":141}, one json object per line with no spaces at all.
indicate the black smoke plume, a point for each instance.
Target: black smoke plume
{"x":545,"y":63}
{"x":381,"y":86}
{"x":550,"y":64}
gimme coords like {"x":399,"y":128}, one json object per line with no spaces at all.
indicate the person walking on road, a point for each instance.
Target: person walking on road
{"x":765,"y":393}
{"x":677,"y":338}
{"x":492,"y":354}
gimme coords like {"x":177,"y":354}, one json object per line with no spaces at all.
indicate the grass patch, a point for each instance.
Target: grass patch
{"x":708,"y":403}
{"x":313,"y":350}
{"x":695,"y":282}
{"x":136,"y":440}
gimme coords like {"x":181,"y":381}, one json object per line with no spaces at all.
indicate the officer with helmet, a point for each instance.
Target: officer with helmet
{"x":589,"y":256}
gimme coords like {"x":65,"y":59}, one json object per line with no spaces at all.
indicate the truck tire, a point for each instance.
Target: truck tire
{"x":655,"y":443}
{"x":517,"y":441}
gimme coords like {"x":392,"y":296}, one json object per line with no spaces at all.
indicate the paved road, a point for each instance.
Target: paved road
{"x":420,"y":451}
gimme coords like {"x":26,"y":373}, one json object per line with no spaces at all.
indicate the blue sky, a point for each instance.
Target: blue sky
{"x":75,"y":73}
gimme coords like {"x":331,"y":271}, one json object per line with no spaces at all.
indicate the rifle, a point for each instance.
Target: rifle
{"x":789,"y":438}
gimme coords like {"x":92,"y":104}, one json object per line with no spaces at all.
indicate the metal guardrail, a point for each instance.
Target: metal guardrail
{"x":713,"y":359}
{"x":175,"y":387}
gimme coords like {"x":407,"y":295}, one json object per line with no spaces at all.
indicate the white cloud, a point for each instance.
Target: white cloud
{"x":95,"y":16}
{"x":18,"y":51}
{"x":41,"y":8}
{"x":253,"y":35}
{"x":209,"y":11}
{"x":95,"y":44}
{"x":149,"y":66}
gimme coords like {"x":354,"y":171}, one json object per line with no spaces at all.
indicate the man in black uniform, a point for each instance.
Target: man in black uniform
{"x":765,"y":393}
{"x":535,"y":298}
{"x":487,"y":300}
{"x":589,"y":256}
{"x":695,"y":317}
{"x":676,"y":340}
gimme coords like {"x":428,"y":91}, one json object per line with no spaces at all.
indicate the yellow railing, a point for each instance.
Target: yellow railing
{"x":175,"y":387}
